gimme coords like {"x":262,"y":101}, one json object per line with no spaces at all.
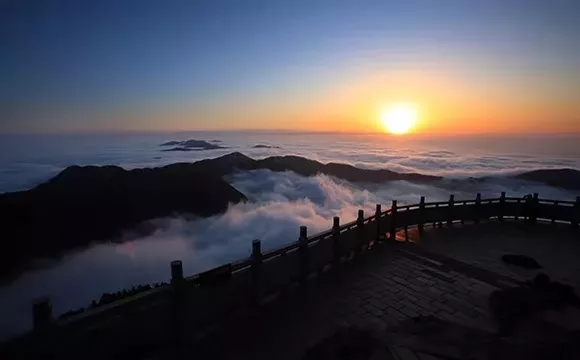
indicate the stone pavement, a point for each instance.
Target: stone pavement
{"x":556,"y":248}
{"x":447,"y":274}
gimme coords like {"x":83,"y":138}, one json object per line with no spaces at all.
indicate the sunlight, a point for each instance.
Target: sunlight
{"x":399,"y":119}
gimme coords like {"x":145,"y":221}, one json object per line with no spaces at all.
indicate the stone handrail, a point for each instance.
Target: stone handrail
{"x":190,"y":305}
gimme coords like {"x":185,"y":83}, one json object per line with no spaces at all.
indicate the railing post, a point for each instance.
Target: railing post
{"x":178,"y":284}
{"x":41,"y":313}
{"x":576,"y":215}
{"x":304,"y":256}
{"x":534,"y":209}
{"x":501,"y":206}
{"x":393,"y":230}
{"x":336,"y":240}
{"x":420,"y":224}
{"x":450,"y":210}
{"x":527,"y":208}
{"x":378,"y":214}
{"x":477,"y":208}
{"x":256,"y":271}
{"x":176,"y":271}
{"x":362,"y":240}
{"x":437,"y":212}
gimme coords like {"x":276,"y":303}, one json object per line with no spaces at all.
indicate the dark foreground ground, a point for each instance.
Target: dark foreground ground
{"x":422,"y":299}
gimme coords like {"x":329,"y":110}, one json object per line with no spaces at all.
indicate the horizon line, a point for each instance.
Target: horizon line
{"x":286,"y":131}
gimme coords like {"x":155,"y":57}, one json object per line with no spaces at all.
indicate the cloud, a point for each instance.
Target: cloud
{"x":27,"y":160}
{"x":279,"y":204}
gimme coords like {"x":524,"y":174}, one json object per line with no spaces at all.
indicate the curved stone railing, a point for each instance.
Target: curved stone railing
{"x":191,"y":305}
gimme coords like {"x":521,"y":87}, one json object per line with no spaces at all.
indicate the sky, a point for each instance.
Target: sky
{"x":466,"y":66}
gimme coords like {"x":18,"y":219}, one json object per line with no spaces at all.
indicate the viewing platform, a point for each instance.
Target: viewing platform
{"x":439,"y":260}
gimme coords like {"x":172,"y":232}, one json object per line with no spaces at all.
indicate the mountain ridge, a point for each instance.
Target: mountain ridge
{"x":92,"y":203}
{"x":83,"y":204}
{"x":564,"y":178}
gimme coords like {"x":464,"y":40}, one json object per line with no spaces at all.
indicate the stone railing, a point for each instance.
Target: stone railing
{"x":191,"y":305}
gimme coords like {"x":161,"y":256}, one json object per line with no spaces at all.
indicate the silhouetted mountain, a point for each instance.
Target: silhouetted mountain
{"x":261,"y":146}
{"x":236,"y":161}
{"x":562,"y":178}
{"x":190,"y":145}
{"x":83,"y":204}
{"x":568,"y":179}
{"x":179,"y":148}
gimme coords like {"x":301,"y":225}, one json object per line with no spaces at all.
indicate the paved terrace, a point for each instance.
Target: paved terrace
{"x":445,"y":272}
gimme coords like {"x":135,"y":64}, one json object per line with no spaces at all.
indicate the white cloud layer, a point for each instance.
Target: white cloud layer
{"x":279,"y":202}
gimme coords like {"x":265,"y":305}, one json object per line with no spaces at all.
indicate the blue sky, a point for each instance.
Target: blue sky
{"x":69,"y":65}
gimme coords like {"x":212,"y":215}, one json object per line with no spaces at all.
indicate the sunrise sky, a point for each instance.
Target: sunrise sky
{"x":467,"y":66}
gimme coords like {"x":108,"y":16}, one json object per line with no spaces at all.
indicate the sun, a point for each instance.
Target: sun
{"x":399,"y":119}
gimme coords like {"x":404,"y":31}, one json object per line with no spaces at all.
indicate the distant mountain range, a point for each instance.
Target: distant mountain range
{"x":191,"y":145}
{"x":91,"y":203}
{"x":200,"y":145}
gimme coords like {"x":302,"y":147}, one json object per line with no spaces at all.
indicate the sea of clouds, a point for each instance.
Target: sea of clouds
{"x":279,"y":204}
{"x":27,"y":160}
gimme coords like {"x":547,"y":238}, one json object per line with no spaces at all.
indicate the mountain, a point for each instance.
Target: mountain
{"x":562,"y":178}
{"x":191,"y":145}
{"x":262,"y":146}
{"x":92,"y":203}
{"x":229,"y":163}
{"x":89,"y":203}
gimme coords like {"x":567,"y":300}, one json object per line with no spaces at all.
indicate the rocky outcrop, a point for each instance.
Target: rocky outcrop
{"x":568,"y":179}
{"x":84,"y":204}
{"x":562,"y":178}
{"x":191,"y":145}
{"x":171,"y":143}
{"x":262,"y":146}
{"x":90,"y":203}
{"x":186,"y":149}
{"x":236,"y":161}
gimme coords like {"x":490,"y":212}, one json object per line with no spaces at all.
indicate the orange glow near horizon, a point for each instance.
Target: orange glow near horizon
{"x":440,"y":101}
{"x":367,"y":114}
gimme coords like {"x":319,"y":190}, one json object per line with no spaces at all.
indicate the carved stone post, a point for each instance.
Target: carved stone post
{"x":420,"y":223}
{"x":179,"y":302}
{"x":378,"y":214}
{"x":501,"y":206}
{"x":256,"y":271}
{"x":450,"y":214}
{"x":42,"y":312}
{"x":437,"y":214}
{"x":576,"y":215}
{"x":393,"y":229}
{"x":176,"y":271}
{"x":477,"y":208}
{"x":304,"y":256}
{"x":534,"y":209}
{"x":363,"y":241}
{"x":336,"y":240}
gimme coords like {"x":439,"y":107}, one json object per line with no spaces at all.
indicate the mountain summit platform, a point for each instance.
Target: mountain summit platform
{"x":427,"y":269}
{"x":446,"y":273}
